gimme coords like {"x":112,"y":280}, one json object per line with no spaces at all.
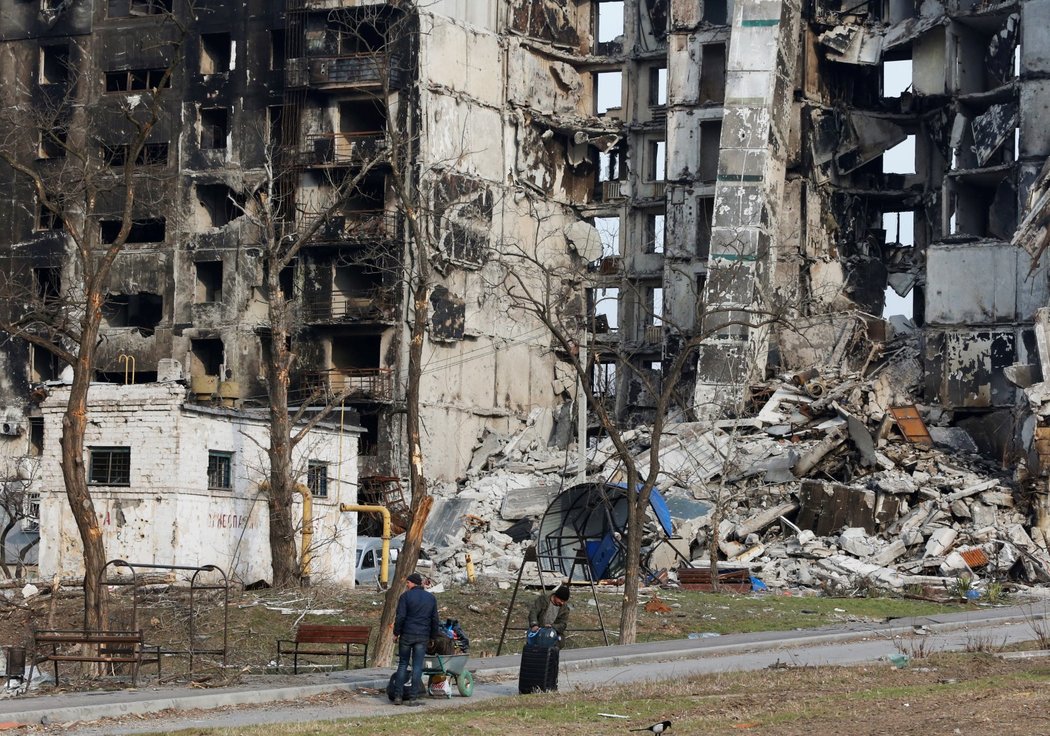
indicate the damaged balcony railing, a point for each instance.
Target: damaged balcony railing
{"x":360,"y":70}
{"x":375,"y":303}
{"x":354,"y":383}
{"x":343,"y":148}
{"x":358,"y":226}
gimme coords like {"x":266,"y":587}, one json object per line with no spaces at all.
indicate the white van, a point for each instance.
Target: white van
{"x":369,"y":557}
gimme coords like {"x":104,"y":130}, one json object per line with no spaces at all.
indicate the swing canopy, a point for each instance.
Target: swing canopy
{"x":583,"y":529}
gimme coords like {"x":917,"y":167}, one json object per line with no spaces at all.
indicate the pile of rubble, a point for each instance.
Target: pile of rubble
{"x":837,"y":479}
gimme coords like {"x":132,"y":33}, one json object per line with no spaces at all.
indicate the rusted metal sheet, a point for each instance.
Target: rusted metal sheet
{"x":729,"y":581}
{"x":827,"y":507}
{"x":911,"y":425}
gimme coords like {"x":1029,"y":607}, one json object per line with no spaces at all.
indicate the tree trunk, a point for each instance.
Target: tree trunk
{"x":409,"y":550}
{"x":74,"y":473}
{"x":420,"y":505}
{"x":283,"y":560}
{"x":632,"y":569}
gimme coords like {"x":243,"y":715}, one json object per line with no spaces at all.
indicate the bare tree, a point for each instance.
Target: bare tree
{"x":554,"y":291}
{"x":89,"y":166}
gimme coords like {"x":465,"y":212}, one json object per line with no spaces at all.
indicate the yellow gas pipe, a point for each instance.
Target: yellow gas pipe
{"x":308,"y":530}
{"x":383,"y":577}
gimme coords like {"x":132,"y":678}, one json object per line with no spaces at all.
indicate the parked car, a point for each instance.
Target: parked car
{"x":369,"y":556}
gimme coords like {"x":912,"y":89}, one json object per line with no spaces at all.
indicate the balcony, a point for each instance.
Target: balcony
{"x":377,"y":303}
{"x":349,"y":71}
{"x":343,"y":149}
{"x":373,"y":384}
{"x":358,"y":227}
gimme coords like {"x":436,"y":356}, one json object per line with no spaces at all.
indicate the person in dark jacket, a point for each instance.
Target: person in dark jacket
{"x":415,"y":624}
{"x":551,"y":610}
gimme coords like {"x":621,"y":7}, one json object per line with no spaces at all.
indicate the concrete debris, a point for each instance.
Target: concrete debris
{"x":813,"y":492}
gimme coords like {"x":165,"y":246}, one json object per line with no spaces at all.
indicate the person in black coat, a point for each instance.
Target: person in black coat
{"x":415,"y":624}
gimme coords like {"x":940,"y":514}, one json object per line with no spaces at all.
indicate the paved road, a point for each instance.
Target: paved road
{"x":337,"y":695}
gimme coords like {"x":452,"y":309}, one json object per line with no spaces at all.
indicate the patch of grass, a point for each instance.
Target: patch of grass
{"x":971,"y":693}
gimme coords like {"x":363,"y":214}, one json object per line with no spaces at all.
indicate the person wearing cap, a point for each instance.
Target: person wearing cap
{"x":415,"y":624}
{"x":551,"y":610}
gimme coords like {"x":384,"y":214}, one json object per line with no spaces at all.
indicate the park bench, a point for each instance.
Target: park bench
{"x":106,"y":647}
{"x":309,"y":638}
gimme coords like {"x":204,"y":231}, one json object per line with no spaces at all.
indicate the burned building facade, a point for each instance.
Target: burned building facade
{"x":734,"y":159}
{"x":379,"y":134}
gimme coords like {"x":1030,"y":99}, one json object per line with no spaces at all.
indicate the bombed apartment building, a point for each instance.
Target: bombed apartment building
{"x":375,"y":136}
{"x":695,"y":163}
{"x":783,"y":167}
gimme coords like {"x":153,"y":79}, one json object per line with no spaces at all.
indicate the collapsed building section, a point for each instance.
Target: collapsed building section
{"x":746,"y":179}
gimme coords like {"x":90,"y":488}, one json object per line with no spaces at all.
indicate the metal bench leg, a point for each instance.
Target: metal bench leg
{"x":347,"y":657}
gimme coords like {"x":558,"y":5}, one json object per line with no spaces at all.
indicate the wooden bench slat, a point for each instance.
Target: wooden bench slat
{"x":111,"y":647}
{"x":341,"y":636}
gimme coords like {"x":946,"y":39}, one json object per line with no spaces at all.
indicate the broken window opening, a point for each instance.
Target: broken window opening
{"x":605,"y":308}
{"x":609,"y":17}
{"x":149,"y":230}
{"x":355,"y":289}
{"x":713,"y":74}
{"x":36,"y":440}
{"x":209,"y":282}
{"x":206,"y":357}
{"x":710,"y":142}
{"x":151,"y":154}
{"x":901,"y":158}
{"x":216,"y":53}
{"x":317,"y":478}
{"x":608,"y":92}
{"x":136,"y":80}
{"x":609,"y":233}
{"x":356,"y":352}
{"x":704,"y":217}
{"x":716,"y":12}
{"x":47,"y":219}
{"x":896,"y":305}
{"x":274,"y":120}
{"x":217,"y":205}
{"x":896,"y":77}
{"x":142,"y":310}
{"x":286,"y":280}
{"x":277,"y":49}
{"x":658,"y":86}
{"x":109,"y":466}
{"x":220,"y":471}
{"x":654,"y":306}
{"x":654,"y":233}
{"x":899,"y":227}
{"x":54,"y":64}
{"x":362,"y":116}
{"x":368,"y":443}
{"x":657,"y":160}
{"x":48,"y":283}
{"x":44,"y":365}
{"x":51,"y":143}
{"x":609,"y":165}
{"x":215,"y":127}
{"x":603,"y":379}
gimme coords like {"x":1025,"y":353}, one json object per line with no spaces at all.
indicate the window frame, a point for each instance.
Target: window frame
{"x":96,"y":453}
{"x":220,"y":458}
{"x":317,"y":490}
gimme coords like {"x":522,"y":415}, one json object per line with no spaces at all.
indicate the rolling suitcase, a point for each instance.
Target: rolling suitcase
{"x":539,"y":669}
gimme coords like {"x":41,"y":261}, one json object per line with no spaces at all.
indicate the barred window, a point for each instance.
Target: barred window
{"x":110,"y":466}
{"x":220,"y":470}
{"x":317,"y":478}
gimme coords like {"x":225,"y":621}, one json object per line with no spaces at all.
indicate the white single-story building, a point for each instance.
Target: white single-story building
{"x":178,"y":483}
